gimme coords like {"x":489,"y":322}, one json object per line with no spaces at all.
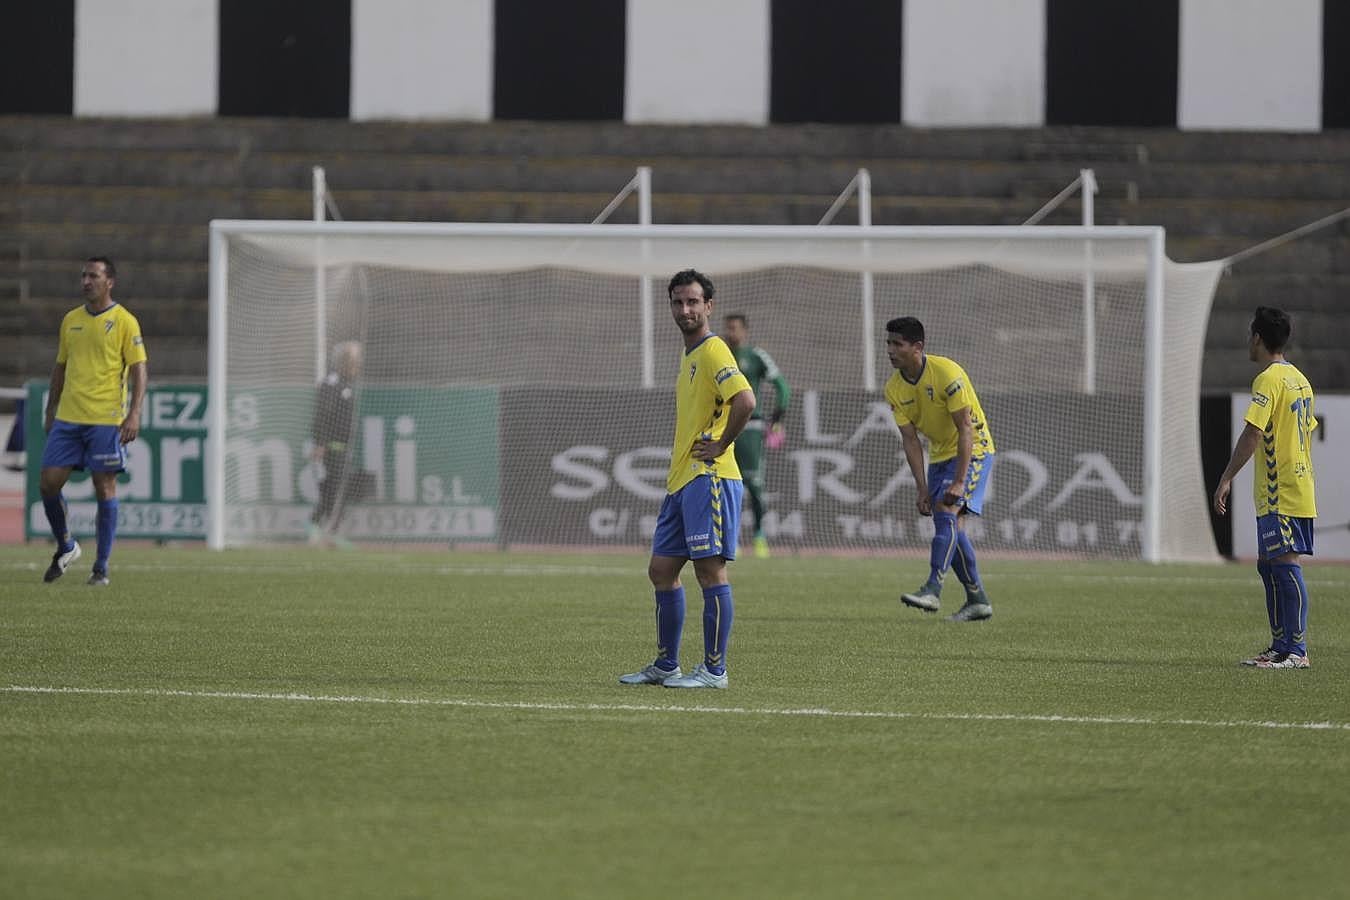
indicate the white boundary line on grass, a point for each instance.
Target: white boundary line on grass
{"x":819,"y":713}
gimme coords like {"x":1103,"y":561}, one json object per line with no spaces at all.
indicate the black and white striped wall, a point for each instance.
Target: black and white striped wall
{"x":1192,"y":64}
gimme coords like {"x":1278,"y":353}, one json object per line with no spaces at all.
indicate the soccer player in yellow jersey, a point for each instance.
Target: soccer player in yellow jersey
{"x":701,"y":514}
{"x":1279,"y":425}
{"x":933,"y":395}
{"x":89,"y":420}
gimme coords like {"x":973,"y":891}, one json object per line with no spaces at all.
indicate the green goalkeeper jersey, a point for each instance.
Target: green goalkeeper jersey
{"x":757,"y":366}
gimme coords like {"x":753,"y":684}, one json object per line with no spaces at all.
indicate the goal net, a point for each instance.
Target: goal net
{"x":515,"y":384}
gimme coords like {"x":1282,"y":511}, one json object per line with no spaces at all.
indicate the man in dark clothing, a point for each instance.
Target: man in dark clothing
{"x":334,"y":414}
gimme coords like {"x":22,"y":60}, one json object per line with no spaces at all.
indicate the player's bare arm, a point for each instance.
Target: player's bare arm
{"x":58,"y":384}
{"x":1246,"y":445}
{"x":131,"y":425}
{"x":738,"y":413}
{"x":909,"y":438}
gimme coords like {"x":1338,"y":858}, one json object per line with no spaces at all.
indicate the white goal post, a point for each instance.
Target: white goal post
{"x":501,"y":398}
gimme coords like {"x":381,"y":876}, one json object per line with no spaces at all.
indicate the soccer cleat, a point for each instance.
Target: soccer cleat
{"x":97,"y":577}
{"x":652,"y":674}
{"x":1261,"y":658}
{"x":61,"y":562}
{"x":972,"y":611}
{"x":699,"y":678}
{"x":761,"y":547}
{"x":925,"y":598}
{"x":1285,"y":661}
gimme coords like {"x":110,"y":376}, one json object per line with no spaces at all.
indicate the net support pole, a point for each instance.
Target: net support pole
{"x":869,"y":344}
{"x":215,"y":374}
{"x":1151,"y":542}
{"x":1087,"y":180}
{"x":320,"y":282}
{"x":644,"y":190}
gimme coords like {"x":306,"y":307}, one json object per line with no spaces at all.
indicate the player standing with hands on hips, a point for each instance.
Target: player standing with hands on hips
{"x":933,"y":395}
{"x":1279,"y":425}
{"x":701,"y":514}
{"x":89,"y":420}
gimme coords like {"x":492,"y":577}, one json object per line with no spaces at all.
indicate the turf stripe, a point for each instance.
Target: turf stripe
{"x":820,"y":713}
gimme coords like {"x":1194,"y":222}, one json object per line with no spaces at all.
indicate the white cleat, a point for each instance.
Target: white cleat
{"x":652,"y":674}
{"x":924,"y":598}
{"x":699,"y":678}
{"x":61,"y":562}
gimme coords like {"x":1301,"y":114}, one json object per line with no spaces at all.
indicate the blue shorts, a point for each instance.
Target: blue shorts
{"x":1277,"y":535}
{"x":700,"y":519}
{"x":977,"y":481}
{"x":98,"y":448}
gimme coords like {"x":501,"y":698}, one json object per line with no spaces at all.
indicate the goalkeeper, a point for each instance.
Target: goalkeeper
{"x":334,"y":418}
{"x":756,"y":365}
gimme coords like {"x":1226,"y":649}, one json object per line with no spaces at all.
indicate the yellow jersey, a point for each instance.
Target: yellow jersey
{"x":1282,"y":407}
{"x":927,"y":403}
{"x":96,"y":350}
{"x":708,"y":379}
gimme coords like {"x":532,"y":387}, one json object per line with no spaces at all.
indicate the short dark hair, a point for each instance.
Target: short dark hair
{"x":738,"y":317}
{"x":108,"y":266}
{"x":907,"y":327}
{"x":1273,"y":327}
{"x":691,"y":276}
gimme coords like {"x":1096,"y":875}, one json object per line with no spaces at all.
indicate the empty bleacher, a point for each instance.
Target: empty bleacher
{"x":142,"y":192}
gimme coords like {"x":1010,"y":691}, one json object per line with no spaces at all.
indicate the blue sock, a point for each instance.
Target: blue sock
{"x":1291,"y":594}
{"x":107,"y":529}
{"x":944,"y":543}
{"x":963,"y":562}
{"x":1272,"y":610}
{"x":55,"y":507}
{"x":718,"y":611}
{"x":669,"y":627}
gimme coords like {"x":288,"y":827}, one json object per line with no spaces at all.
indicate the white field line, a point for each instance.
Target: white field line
{"x":816,"y":713}
{"x":1320,"y":579}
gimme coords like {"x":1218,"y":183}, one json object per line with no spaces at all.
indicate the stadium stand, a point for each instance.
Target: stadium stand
{"x":142,"y":191}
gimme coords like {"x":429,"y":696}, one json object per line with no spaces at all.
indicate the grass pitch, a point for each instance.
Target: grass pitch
{"x":294,"y":723}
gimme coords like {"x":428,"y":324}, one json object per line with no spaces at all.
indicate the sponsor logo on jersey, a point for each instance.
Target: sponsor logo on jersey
{"x":1260,"y":399}
{"x":136,"y":341}
{"x":725,"y":373}
{"x":953,"y":388}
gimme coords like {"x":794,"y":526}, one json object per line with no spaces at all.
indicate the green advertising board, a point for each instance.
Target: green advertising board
{"x":160,"y":496}
{"x":430,"y":455}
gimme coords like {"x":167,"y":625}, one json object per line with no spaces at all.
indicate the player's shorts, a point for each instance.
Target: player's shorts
{"x":1277,"y":535}
{"x":98,"y":448}
{"x":700,"y":519}
{"x":750,"y":451}
{"x":977,"y":481}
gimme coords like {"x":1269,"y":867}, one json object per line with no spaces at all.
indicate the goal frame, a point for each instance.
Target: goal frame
{"x":1153,"y":237}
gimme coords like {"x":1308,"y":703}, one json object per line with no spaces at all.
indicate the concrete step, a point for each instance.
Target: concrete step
{"x":75,"y":242}
{"x":1323,"y":252}
{"x":136,"y":277}
{"x":1249,"y":218}
{"x":527,"y":139}
{"x":382,"y":170}
{"x":1232,"y":372}
{"x":1314,"y":329}
{"x":1314,"y":293}
{"x":180,"y":315}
